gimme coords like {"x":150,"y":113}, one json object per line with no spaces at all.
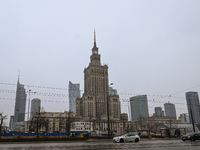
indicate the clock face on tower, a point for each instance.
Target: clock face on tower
{"x":95,"y":52}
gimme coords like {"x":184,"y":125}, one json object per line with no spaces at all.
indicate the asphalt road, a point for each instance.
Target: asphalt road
{"x":104,"y":145}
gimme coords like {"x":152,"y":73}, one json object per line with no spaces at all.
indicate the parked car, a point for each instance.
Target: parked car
{"x":191,"y":136}
{"x":129,"y":137}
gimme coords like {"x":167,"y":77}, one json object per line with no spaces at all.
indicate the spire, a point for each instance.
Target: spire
{"x":18,"y":75}
{"x":94,"y":39}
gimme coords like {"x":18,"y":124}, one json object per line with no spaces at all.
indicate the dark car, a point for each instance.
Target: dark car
{"x":191,"y":136}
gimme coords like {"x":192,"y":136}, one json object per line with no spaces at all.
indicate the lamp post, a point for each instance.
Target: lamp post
{"x":108,"y":113}
{"x":29,"y":91}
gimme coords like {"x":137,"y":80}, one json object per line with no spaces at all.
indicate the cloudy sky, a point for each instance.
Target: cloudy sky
{"x":151,"y":47}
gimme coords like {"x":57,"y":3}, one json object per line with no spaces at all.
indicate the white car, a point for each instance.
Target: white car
{"x":129,"y":137}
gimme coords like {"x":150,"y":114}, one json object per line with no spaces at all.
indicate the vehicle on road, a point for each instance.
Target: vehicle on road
{"x":129,"y":137}
{"x":191,"y":136}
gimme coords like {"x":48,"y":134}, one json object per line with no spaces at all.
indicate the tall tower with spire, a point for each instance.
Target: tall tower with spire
{"x":20,"y":103}
{"x":93,"y":103}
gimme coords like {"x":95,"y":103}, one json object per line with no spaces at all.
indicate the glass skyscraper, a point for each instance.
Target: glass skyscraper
{"x":170,"y":110}
{"x":20,"y":103}
{"x":193,"y":106}
{"x":139,"y":107}
{"x":74,"y":92}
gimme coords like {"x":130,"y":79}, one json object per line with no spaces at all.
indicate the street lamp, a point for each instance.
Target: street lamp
{"x":108,"y":113}
{"x":29,"y":103}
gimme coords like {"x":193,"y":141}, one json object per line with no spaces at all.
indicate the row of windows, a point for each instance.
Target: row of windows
{"x":82,"y":128}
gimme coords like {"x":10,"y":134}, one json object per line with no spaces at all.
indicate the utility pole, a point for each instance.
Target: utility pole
{"x":108,"y":118}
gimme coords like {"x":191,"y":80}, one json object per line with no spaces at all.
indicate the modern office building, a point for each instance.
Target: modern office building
{"x":11,"y":122}
{"x":112,"y":91}
{"x":93,"y":104}
{"x":74,"y":93}
{"x":170,"y":110}
{"x":193,"y":106}
{"x":184,"y":118}
{"x":139,"y":107}
{"x":158,"y":112}
{"x":20,"y":103}
{"x":35,"y":106}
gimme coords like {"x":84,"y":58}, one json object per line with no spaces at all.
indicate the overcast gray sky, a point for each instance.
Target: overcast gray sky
{"x":151,"y":47}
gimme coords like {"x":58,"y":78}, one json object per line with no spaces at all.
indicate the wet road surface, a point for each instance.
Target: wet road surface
{"x":104,"y":145}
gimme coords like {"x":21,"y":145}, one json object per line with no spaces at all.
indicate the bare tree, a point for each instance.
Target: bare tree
{"x":124,"y":123}
{"x":127,"y":128}
{"x":149,"y":127}
{"x":62,"y":124}
{"x":69,"y":121}
{"x":156,"y":125}
{"x":2,"y":119}
{"x":38,"y":121}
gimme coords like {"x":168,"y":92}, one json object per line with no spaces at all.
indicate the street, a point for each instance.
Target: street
{"x":105,"y":144}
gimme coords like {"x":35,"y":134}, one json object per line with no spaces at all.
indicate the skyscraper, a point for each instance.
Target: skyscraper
{"x":93,"y":103}
{"x":170,"y":110}
{"x":193,"y":106}
{"x":11,"y":122}
{"x":139,"y":107}
{"x":74,"y":93}
{"x":35,"y":106}
{"x":184,"y":118}
{"x":158,"y":112}
{"x":112,"y":91}
{"x":20,"y":103}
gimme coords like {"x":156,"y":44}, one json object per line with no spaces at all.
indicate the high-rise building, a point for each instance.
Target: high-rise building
{"x":158,"y":112}
{"x":20,"y":103}
{"x":74,"y":93}
{"x":184,"y":118}
{"x":11,"y":122}
{"x":112,"y":91}
{"x":35,"y":106}
{"x":193,"y":106}
{"x":93,"y":103}
{"x":139,"y":107}
{"x":170,"y":110}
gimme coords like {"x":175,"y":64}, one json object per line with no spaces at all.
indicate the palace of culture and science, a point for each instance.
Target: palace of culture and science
{"x":93,"y":104}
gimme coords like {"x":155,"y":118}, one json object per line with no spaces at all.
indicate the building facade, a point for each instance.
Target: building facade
{"x":20,"y":103}
{"x":170,"y":110}
{"x":139,"y":107}
{"x":52,"y":121}
{"x":93,"y":104}
{"x":35,"y":106}
{"x":82,"y":126}
{"x":193,"y":106}
{"x":158,"y":112}
{"x":184,"y":118}
{"x":74,"y":93}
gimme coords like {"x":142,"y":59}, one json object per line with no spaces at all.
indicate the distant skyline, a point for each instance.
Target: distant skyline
{"x":151,"y":48}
